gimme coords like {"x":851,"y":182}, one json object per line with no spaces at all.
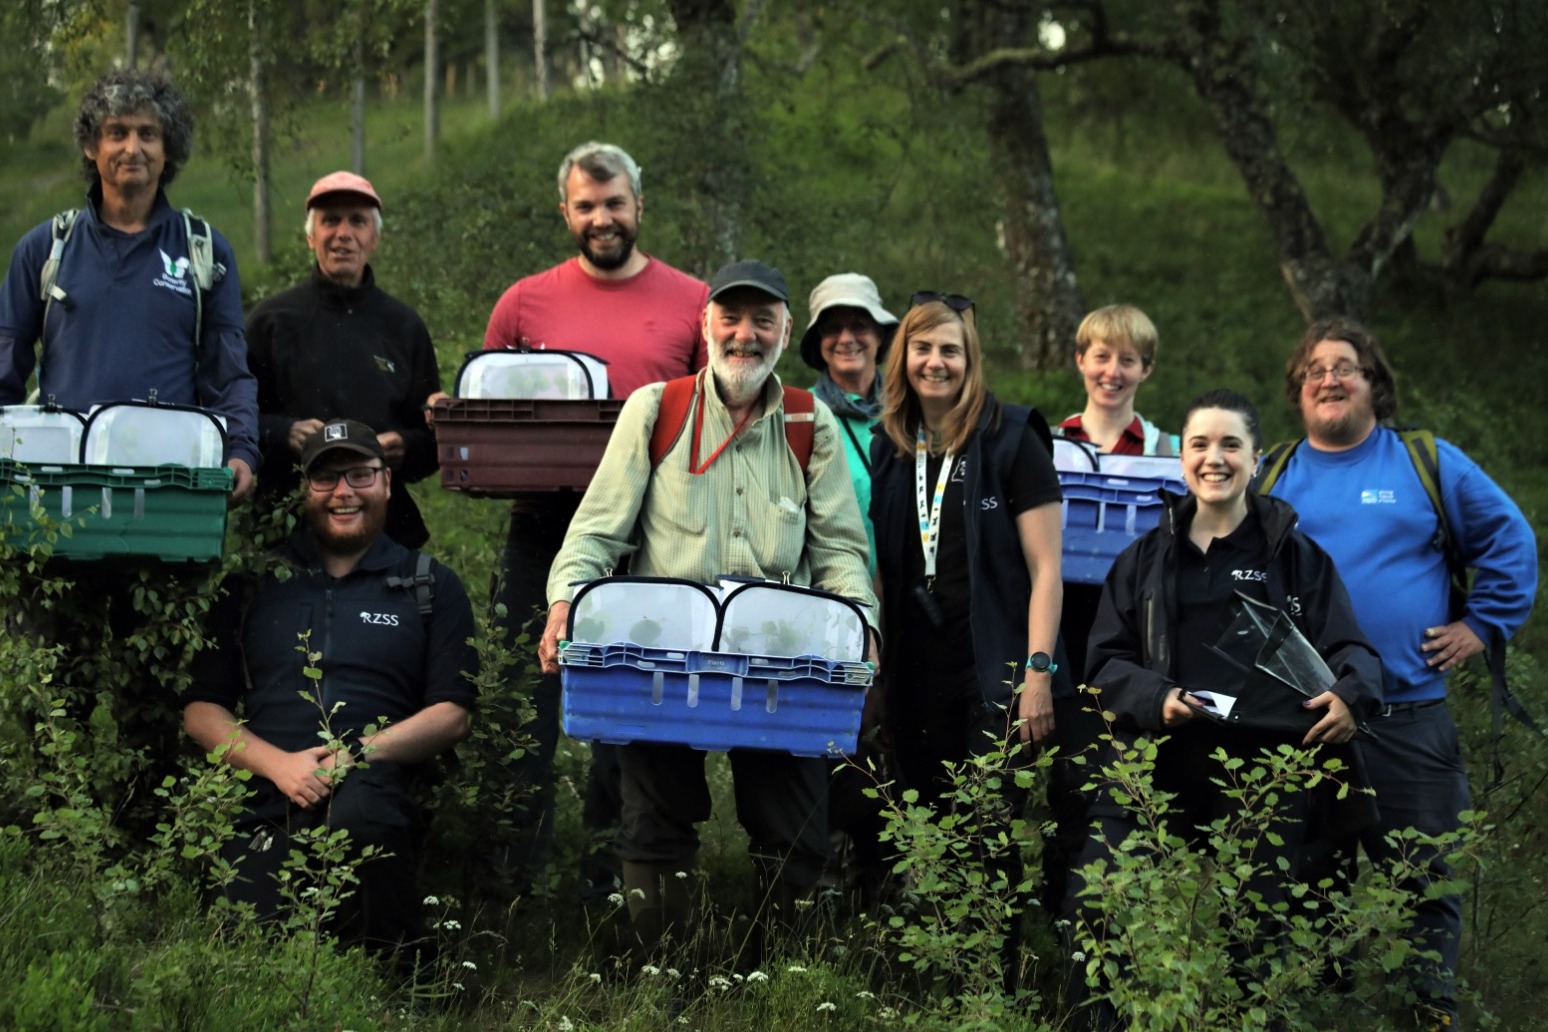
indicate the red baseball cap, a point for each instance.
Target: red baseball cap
{"x":343,"y":182}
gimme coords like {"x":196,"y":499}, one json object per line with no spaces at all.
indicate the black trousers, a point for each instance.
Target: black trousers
{"x":532,"y":542}
{"x":781,"y":802}
{"x":376,"y":805}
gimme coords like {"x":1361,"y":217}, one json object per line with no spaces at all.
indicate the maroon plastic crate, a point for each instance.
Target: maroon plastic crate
{"x":506,"y":447}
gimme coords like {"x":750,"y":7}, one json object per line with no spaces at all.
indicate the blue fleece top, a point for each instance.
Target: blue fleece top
{"x":126,"y":324}
{"x":1368,"y":509}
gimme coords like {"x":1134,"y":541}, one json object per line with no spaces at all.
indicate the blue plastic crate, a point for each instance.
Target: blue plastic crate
{"x":712,"y":700}
{"x":1103,"y":515}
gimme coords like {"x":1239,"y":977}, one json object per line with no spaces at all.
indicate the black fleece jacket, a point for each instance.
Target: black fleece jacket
{"x":322,"y":351}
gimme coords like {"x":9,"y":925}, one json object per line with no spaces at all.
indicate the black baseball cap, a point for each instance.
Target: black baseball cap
{"x":749,"y":273}
{"x":341,"y":435}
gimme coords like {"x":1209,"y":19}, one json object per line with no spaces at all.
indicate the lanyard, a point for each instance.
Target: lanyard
{"x":698,"y":427}
{"x":929,"y":518}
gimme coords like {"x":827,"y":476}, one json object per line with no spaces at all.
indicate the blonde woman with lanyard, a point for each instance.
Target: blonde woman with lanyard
{"x":965,"y":502}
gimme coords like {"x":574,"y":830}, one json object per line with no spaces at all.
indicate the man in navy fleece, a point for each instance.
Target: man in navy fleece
{"x":1359,"y":497}
{"x":125,"y":308}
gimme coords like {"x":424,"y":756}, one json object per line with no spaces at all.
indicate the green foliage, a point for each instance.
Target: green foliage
{"x":1173,"y":934}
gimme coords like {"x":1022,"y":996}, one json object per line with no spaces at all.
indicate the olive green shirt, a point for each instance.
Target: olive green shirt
{"x":751,"y":513}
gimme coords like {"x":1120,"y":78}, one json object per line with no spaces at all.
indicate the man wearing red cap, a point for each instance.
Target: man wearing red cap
{"x":338,"y":346}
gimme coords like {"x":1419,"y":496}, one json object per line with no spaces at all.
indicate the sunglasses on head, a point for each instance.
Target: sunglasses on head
{"x":956,"y":302}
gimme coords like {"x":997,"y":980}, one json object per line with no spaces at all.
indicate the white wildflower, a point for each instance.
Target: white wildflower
{"x":470,"y":965}
{"x":458,"y":986}
{"x":636,"y":893}
{"x":565,"y":1025}
{"x":432,"y":901}
{"x":796,"y":969}
{"x":596,"y":979}
{"x":865,"y":994}
{"x":651,"y":970}
{"x":450,"y":924}
{"x":616,"y":898}
{"x":886,"y":1013}
{"x":826,"y":1006}
{"x":1077,"y":956}
{"x":719,"y":982}
{"x":682,"y":875}
{"x":757,"y":976}
{"x":673,"y":973}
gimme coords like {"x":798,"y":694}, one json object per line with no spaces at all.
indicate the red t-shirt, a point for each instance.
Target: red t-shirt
{"x":648,"y":328}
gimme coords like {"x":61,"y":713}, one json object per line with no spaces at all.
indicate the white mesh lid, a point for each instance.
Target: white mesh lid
{"x":563,"y":375}
{"x":654,"y":612}
{"x":1157,"y":467}
{"x":132,"y":434}
{"x":770,"y":619}
{"x":34,"y":434}
{"x":1072,"y":456}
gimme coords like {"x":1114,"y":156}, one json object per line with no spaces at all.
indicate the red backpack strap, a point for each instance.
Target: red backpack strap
{"x":676,"y":397}
{"x":800,"y":423}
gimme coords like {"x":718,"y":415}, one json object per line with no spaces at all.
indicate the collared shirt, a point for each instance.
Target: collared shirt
{"x":751,"y":513}
{"x":1130,"y":442}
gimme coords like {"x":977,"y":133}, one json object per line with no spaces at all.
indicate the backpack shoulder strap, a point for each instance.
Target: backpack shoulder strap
{"x":1425,"y":456}
{"x":421,"y":582}
{"x":1273,"y":464}
{"x":201,"y":262}
{"x":676,"y":397}
{"x":800,"y":423}
{"x":62,"y":226}
{"x":201,"y":252}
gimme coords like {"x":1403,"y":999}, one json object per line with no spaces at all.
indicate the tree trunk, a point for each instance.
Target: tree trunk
{"x":492,"y":56}
{"x":1049,"y":305}
{"x":540,"y":47}
{"x":261,"y":240}
{"x":132,"y":36}
{"x":716,"y":161}
{"x":1225,"y":77}
{"x":357,"y":102}
{"x":432,"y":82}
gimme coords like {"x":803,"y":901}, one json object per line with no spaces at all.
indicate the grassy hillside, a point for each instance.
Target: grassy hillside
{"x":851,"y":174}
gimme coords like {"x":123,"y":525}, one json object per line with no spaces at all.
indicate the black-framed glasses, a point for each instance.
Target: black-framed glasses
{"x":359,"y":478}
{"x":956,"y":302}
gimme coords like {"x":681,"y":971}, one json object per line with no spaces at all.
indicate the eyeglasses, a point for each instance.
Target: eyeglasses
{"x":956,"y":302}
{"x":1343,"y":372}
{"x":858,"y":325}
{"x":360,"y":478}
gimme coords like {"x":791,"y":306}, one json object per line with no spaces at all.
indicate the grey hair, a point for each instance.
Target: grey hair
{"x":376,"y":213}
{"x":128,"y":91}
{"x":600,"y":161}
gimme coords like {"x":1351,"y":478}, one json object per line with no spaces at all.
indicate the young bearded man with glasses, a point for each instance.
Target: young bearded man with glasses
{"x":389,"y":630}
{"x":1359,"y":495}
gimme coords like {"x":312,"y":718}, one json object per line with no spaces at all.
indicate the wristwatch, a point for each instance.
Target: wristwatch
{"x":1041,"y":663}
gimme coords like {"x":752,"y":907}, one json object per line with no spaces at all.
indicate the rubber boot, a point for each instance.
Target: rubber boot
{"x":660,"y":904}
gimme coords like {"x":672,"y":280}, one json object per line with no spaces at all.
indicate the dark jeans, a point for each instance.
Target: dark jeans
{"x":375,"y":804}
{"x":1415,"y":764}
{"x":781,"y":801}
{"x":533,"y":540}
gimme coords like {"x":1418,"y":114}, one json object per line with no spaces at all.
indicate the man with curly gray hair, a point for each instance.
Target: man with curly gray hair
{"x":128,"y":296}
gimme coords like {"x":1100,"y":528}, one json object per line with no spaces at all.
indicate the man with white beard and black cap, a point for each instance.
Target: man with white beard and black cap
{"x":728,"y":496}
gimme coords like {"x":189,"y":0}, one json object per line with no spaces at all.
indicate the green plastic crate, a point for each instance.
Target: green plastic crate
{"x":174,"y":513}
